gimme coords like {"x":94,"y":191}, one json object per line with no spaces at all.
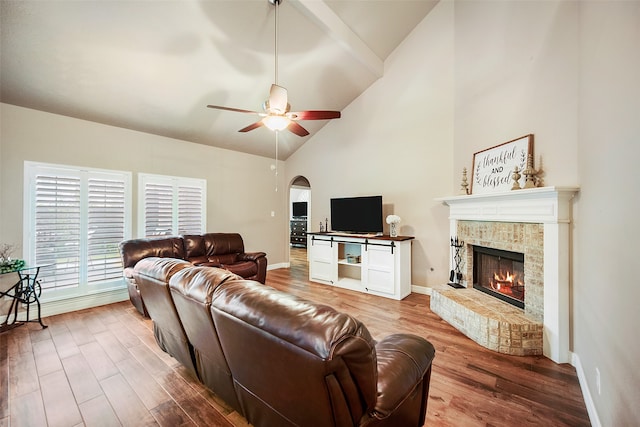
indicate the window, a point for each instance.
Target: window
{"x":74,"y":220}
{"x":171,"y":206}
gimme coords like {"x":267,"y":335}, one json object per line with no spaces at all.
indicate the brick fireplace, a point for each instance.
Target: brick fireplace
{"x":533,"y":222}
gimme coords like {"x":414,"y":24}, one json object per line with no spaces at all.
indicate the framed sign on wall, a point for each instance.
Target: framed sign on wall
{"x":493,"y":167}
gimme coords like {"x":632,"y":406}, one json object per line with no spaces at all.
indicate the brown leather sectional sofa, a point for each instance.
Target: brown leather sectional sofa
{"x":222,"y":250}
{"x":280,"y":360}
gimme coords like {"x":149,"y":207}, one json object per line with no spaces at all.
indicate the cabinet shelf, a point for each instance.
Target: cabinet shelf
{"x":345,"y":262}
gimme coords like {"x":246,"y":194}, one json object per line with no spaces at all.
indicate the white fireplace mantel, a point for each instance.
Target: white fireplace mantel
{"x":550,"y":206}
{"x":535,"y":205}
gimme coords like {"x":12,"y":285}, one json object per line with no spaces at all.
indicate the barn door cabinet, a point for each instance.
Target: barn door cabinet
{"x":379,"y":265}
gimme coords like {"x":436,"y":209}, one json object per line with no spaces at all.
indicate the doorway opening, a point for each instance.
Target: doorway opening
{"x":299,"y":220}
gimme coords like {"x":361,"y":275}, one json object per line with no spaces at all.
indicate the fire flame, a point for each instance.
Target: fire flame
{"x":502,"y":282}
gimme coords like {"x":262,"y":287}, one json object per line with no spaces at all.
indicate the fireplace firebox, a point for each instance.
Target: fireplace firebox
{"x":499,"y":273}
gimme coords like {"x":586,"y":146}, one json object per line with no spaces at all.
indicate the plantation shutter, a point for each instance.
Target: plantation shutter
{"x":106,"y":228}
{"x":172,"y":205}
{"x":57,"y":230}
{"x":190,"y":210}
{"x":158,"y":211}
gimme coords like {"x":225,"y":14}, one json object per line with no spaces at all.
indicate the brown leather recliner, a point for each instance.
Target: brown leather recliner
{"x":192,"y":290}
{"x":152,"y":277}
{"x":297,"y":363}
{"x":224,"y":250}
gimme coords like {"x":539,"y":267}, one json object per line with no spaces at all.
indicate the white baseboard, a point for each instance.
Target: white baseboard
{"x":51,"y":308}
{"x":424,"y":290}
{"x":277,"y":266}
{"x":586,"y":394}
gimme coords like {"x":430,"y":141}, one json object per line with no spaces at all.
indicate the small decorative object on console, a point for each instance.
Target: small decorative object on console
{"x":393,"y":221}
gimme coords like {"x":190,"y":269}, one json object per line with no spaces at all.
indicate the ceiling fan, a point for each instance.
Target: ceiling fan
{"x":277,"y":113}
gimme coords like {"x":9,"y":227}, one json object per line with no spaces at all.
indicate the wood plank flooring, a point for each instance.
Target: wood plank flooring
{"x":102,"y":367}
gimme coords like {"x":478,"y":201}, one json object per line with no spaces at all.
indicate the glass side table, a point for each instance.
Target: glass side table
{"x":27,"y":291}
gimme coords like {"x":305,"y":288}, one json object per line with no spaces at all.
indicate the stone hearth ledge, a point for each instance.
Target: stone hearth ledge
{"x":492,"y":323}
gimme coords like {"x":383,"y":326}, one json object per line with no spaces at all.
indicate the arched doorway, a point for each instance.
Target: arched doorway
{"x":299,"y":220}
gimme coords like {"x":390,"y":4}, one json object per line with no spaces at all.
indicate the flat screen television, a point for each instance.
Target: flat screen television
{"x":299,"y":208}
{"x":357,"y":214}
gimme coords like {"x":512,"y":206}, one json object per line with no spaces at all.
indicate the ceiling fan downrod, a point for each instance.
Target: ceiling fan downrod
{"x":276,"y":3}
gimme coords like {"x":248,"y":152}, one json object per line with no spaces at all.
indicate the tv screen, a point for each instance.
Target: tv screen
{"x":299,"y":208}
{"x":357,"y":214}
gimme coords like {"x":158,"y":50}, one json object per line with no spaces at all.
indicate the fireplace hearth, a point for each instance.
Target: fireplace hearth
{"x":500,"y":274}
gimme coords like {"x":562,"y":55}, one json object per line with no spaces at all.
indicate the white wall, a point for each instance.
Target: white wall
{"x":395,"y":140}
{"x":516,"y":73}
{"x":606,"y":290}
{"x":240,"y":187}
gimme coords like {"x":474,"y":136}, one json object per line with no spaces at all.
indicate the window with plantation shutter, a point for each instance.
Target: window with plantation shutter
{"x":75,"y":218}
{"x":106,"y":226}
{"x":171,"y":206}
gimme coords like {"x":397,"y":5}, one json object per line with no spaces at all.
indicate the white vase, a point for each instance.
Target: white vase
{"x":393,"y":229}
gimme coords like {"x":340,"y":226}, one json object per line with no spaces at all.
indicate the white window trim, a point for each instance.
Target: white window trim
{"x":174,"y":182}
{"x":31,"y":170}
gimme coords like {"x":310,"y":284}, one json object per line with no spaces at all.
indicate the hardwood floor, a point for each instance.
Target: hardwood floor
{"x":103,"y":367}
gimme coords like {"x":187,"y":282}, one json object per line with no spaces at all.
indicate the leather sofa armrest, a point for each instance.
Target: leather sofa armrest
{"x":251,"y":256}
{"x":128,"y":273}
{"x":403,"y":362}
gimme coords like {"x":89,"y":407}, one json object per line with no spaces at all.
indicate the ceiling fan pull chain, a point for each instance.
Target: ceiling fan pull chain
{"x":276,"y":170}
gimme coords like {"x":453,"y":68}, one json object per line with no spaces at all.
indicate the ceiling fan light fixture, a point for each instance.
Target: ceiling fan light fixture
{"x":276,"y":122}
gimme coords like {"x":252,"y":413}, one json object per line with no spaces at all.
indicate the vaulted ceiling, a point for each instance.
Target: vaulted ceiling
{"x":154,"y":65}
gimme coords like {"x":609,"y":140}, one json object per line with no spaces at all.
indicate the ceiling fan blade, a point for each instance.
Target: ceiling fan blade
{"x":315,"y":115}
{"x":237,"y":110}
{"x":297,"y":129}
{"x":252,"y":126}
{"x":278,"y":99}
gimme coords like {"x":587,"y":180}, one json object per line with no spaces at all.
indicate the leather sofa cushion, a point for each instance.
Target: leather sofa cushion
{"x":293,"y":338}
{"x":192,"y":289}
{"x":152,"y":276}
{"x":164,"y":247}
{"x":214,"y":260}
{"x":161,"y":269}
{"x":211,"y":244}
{"x":198,"y":283}
{"x":323,"y":326}
{"x":243,"y":268}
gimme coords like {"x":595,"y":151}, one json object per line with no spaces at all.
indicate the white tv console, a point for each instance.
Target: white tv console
{"x":379,"y":265}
